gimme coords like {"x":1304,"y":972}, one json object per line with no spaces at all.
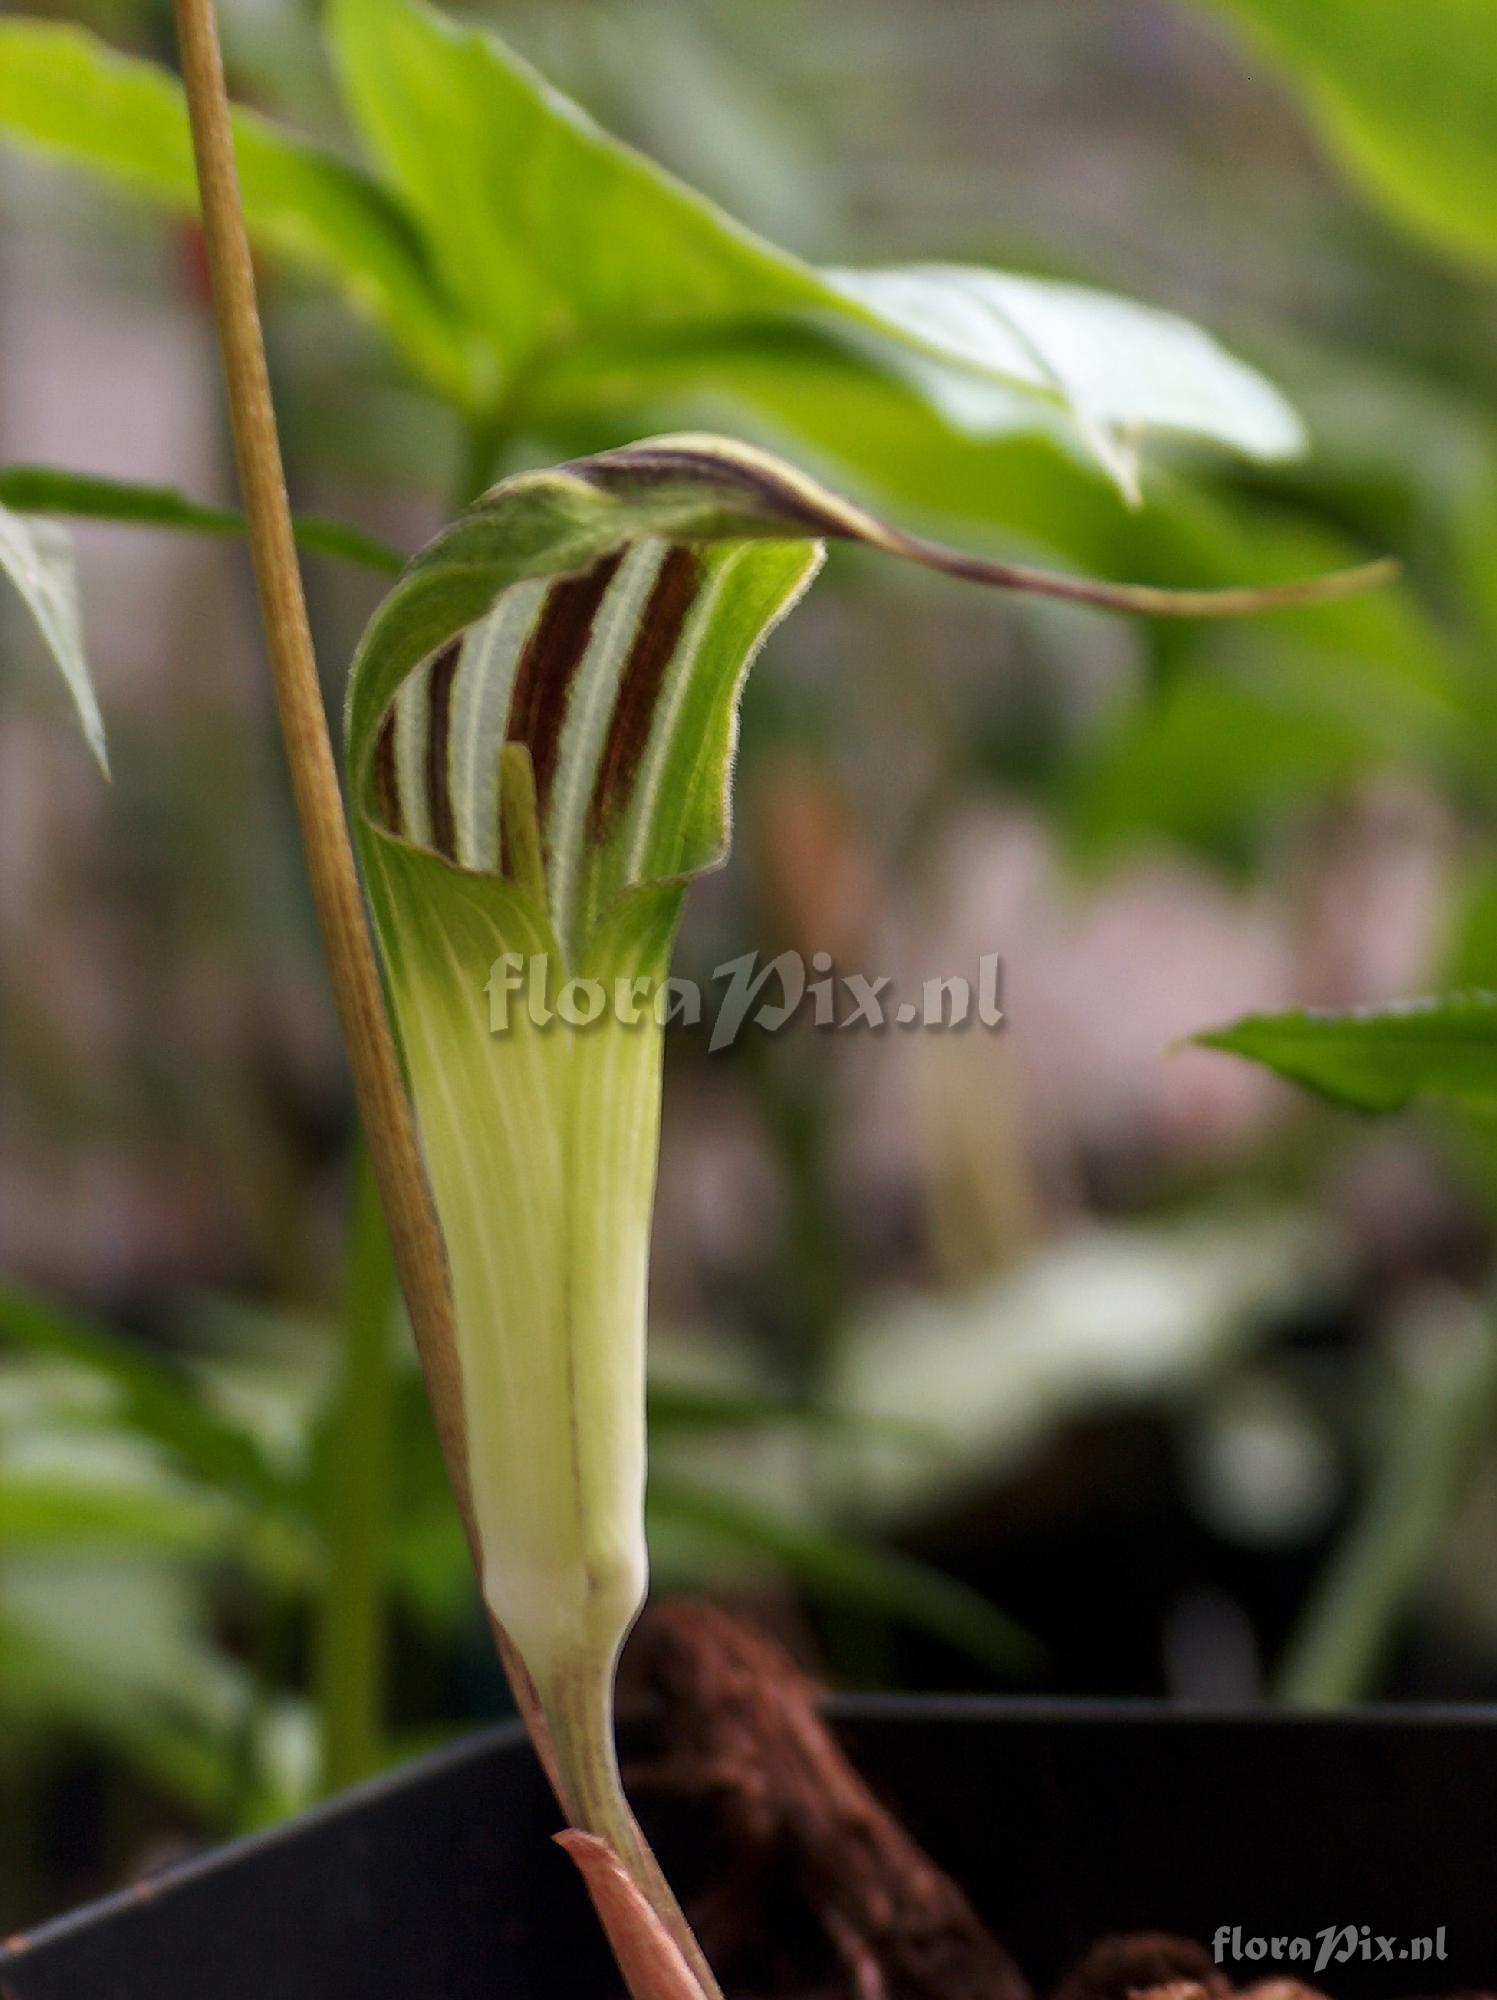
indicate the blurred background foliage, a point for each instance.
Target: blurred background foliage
{"x":1068,"y":1359}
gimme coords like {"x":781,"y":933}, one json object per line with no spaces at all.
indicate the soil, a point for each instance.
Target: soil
{"x":816,"y":1891}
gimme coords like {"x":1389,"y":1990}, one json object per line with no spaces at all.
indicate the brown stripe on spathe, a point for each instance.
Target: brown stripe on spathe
{"x":386,"y":774}
{"x":659,"y":634}
{"x":548,"y":666}
{"x":442,"y":673}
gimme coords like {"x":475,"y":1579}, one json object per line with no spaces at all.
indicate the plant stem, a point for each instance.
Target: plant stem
{"x":579,"y":1710}
{"x":378,"y":1083}
{"x":351,"y":1636}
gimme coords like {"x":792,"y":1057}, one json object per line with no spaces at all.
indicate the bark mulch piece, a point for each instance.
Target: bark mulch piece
{"x":815,"y":1891}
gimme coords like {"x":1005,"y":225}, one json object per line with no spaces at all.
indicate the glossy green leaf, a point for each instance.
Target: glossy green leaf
{"x":37,"y":557}
{"x":557,"y":239}
{"x":85,"y":496}
{"x":517,"y":248}
{"x":69,"y":95}
{"x":1406,"y":96}
{"x":1379,"y":1058}
{"x":1121,"y":370}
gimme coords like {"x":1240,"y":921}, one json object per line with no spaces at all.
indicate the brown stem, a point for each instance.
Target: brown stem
{"x":378,"y":1084}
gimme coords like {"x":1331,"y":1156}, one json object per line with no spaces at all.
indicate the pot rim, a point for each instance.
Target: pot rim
{"x":846,"y":1710}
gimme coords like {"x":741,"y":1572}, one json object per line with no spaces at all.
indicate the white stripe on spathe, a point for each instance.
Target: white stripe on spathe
{"x":480,"y":710}
{"x":674,"y":684}
{"x":593,"y":697}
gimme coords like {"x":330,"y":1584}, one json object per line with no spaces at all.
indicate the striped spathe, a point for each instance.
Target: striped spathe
{"x":631,"y":590}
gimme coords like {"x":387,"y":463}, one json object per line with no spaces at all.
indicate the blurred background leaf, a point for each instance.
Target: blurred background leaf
{"x":45,"y":489}
{"x":1408,"y":100}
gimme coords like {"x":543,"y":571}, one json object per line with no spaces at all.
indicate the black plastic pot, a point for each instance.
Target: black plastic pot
{"x":1062,"y":1822}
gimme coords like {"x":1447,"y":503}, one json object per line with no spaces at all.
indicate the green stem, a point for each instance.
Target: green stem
{"x":351,"y":1616}
{"x":579,"y":1710}
{"x":1441,"y":1435}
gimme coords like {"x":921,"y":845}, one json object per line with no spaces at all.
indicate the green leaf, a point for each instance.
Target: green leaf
{"x":37,"y":554}
{"x":69,"y":95}
{"x":1379,"y":1058}
{"x":1121,"y":369}
{"x":516,"y":247}
{"x":1406,"y":96}
{"x":38,"y":558}
{"x":155,"y":1401}
{"x":797,"y":386}
{"x":47,"y":489}
{"x":557,"y":239}
{"x":844,"y":1570}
